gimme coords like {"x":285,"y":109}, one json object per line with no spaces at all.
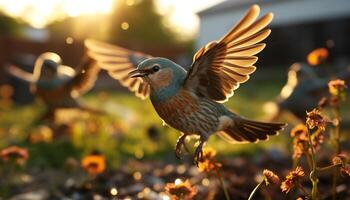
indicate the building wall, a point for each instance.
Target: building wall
{"x":286,"y":13}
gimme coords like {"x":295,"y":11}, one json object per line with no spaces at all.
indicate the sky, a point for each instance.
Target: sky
{"x":39,"y":13}
{"x":182,"y":13}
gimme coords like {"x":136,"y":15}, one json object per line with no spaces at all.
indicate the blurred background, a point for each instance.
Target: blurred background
{"x":130,"y":135}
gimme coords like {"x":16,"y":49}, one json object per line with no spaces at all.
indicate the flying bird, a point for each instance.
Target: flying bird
{"x":191,"y":101}
{"x":303,"y":91}
{"x":56,"y":84}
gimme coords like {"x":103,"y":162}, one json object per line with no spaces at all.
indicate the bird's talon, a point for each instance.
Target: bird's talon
{"x":178,"y":153}
{"x":180,"y":143}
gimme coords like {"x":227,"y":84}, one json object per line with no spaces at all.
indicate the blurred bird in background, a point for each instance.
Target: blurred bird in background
{"x":191,"y":101}
{"x":302,"y":92}
{"x":58,"y":85}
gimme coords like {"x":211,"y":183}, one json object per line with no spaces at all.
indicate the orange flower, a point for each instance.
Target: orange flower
{"x":42,"y":134}
{"x":18,"y":154}
{"x":6,"y":91}
{"x":94,"y":163}
{"x":180,"y":190}
{"x":314,"y":119}
{"x":300,"y":141}
{"x":336,"y":87}
{"x":270,"y":177}
{"x":292,"y":179}
{"x":341,"y":158}
{"x":299,"y":149}
{"x":299,"y":132}
{"x":317,"y":56}
{"x":208,"y":162}
{"x":345,"y":170}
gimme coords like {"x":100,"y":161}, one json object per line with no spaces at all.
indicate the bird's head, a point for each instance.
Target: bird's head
{"x":159,"y":73}
{"x":48,"y":64}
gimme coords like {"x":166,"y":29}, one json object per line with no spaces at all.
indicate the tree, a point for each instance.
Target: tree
{"x":137,"y":22}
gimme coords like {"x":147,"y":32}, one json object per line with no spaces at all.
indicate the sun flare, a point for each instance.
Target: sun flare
{"x":41,"y":13}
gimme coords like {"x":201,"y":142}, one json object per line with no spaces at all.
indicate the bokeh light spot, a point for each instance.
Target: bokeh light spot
{"x":125,"y":26}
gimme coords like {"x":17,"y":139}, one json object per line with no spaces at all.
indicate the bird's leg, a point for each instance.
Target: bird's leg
{"x":199,"y":152}
{"x":180,"y":142}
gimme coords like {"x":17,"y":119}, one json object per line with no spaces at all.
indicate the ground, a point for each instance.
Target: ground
{"x":132,"y":138}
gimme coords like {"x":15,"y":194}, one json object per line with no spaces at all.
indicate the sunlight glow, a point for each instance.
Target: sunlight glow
{"x":180,"y":14}
{"x":124,"y":26}
{"x":40,"y":13}
{"x":178,"y":181}
{"x":114,"y":191}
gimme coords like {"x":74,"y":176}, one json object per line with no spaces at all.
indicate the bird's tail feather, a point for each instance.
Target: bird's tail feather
{"x":243,"y":130}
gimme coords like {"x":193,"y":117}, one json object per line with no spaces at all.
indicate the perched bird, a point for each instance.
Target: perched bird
{"x":56,"y":84}
{"x":191,"y":101}
{"x":302,"y":92}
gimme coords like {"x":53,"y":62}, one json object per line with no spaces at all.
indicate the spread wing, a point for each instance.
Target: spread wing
{"x":119,"y":62}
{"x":219,"y":67}
{"x":20,"y":74}
{"x":85,"y":76}
{"x":66,"y":71}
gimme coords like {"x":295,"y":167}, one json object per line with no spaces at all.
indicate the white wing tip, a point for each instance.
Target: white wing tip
{"x":255,"y":8}
{"x":270,"y":14}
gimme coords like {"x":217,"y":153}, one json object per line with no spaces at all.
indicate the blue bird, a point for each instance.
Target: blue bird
{"x":303,"y":91}
{"x":58,"y":85}
{"x":191,"y":101}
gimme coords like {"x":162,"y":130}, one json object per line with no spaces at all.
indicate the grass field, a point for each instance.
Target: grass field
{"x":128,"y":131}
{"x":130,"y":126}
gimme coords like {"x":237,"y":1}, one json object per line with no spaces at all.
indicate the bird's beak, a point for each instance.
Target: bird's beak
{"x":137,"y":73}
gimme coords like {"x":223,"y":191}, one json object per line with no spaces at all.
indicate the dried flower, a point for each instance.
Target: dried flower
{"x":94,"y":163}
{"x":42,"y":134}
{"x":299,"y":132}
{"x":300,"y":140}
{"x":317,"y":139}
{"x":314,"y":119}
{"x":15,"y":153}
{"x":324,"y":102}
{"x":317,"y":56}
{"x":208,"y":163}
{"x":270,"y":177}
{"x":180,"y":190}
{"x":299,"y":149}
{"x":336,"y":160}
{"x":345,"y":170}
{"x":336,"y":87}
{"x":292,"y":179}
{"x":340,"y":158}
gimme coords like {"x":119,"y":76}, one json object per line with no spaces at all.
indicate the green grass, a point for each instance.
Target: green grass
{"x":122,"y":133}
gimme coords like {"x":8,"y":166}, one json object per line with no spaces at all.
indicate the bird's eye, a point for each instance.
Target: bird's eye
{"x":155,"y":68}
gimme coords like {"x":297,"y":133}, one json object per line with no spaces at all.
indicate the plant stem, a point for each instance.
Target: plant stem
{"x":313,"y":174}
{"x":334,"y":184}
{"x":337,"y":130}
{"x":302,"y":189}
{"x":337,"y":150}
{"x":255,"y":189}
{"x":309,"y":160}
{"x":320,"y":169}
{"x":221,"y":180}
{"x":295,"y":162}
